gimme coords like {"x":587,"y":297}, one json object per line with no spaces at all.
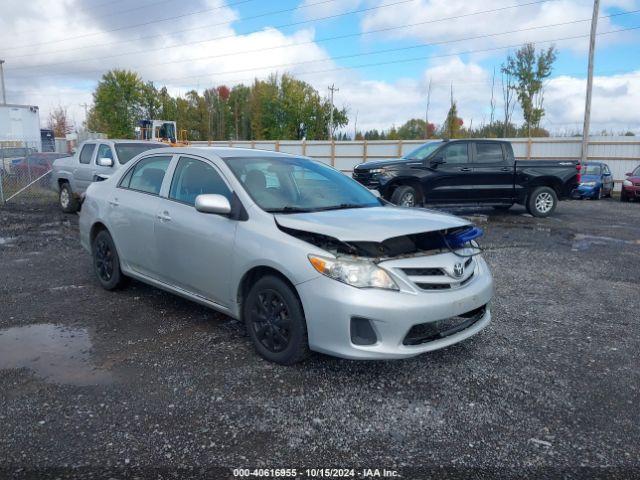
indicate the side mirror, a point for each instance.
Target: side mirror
{"x":105,"y":162}
{"x":435,"y":161}
{"x":213,"y":203}
{"x":628,"y":174}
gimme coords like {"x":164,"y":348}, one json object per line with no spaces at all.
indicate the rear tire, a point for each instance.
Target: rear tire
{"x":67,"y":200}
{"x":623,"y":197}
{"x":106,"y":262}
{"x":542,"y":202}
{"x":275,"y":321}
{"x":405,"y":196}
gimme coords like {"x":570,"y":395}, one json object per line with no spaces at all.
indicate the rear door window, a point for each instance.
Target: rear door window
{"x":488,"y":152}
{"x":147,"y":175}
{"x":87,"y":152}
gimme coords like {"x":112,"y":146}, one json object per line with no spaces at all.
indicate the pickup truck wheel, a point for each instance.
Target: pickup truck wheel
{"x":106,"y":263}
{"x":275,"y":321}
{"x":404,"y":196}
{"x":542,"y":202}
{"x":68,"y":201}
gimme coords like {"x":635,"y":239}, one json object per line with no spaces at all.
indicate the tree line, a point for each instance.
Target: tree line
{"x":280,"y":107}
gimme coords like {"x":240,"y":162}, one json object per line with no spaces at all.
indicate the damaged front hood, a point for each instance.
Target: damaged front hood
{"x":375,"y":224}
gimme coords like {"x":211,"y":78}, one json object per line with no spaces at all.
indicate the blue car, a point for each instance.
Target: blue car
{"x":596,"y":182}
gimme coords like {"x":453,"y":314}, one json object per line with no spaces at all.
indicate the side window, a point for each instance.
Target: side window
{"x":606,"y":170}
{"x":104,"y":151}
{"x":195,"y":177}
{"x":87,"y":152}
{"x":456,"y":153}
{"x":147,"y":175}
{"x":489,"y":152}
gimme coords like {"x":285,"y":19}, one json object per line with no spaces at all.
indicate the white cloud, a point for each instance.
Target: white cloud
{"x":428,"y":13}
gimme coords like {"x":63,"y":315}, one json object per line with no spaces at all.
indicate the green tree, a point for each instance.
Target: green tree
{"x":529,"y":69}
{"x":118,"y":102}
{"x":452,"y":126}
{"x":413,"y":129}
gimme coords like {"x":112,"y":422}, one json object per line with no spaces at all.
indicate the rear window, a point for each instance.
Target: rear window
{"x":489,"y":152}
{"x":126,"y":151}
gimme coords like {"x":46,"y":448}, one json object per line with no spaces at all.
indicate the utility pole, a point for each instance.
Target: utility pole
{"x":86,"y":113}
{"x":426,"y":115}
{"x":4,"y":94}
{"x":332,"y":89}
{"x":355,"y":127}
{"x":587,"y":104}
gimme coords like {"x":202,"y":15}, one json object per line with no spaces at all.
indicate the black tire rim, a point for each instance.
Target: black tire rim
{"x":104,"y":260}
{"x":270,"y":321}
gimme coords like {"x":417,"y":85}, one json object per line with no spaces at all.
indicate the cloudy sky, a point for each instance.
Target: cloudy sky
{"x":381,"y":54}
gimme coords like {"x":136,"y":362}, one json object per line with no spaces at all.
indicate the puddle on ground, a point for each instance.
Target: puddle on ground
{"x":583,"y":242}
{"x":56,"y":354}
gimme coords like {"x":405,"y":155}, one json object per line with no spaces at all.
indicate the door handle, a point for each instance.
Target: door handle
{"x":465,"y":169}
{"x":164,"y":217}
{"x":114,"y":202}
{"x":505,"y":169}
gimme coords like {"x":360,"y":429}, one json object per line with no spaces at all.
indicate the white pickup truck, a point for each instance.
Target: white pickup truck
{"x":94,"y":160}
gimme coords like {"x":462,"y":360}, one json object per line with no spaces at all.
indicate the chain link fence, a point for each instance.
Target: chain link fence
{"x":25,"y":174}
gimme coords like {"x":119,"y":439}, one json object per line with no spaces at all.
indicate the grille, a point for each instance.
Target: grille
{"x":428,"y":332}
{"x":437,"y":278}
{"x":412,"y":272}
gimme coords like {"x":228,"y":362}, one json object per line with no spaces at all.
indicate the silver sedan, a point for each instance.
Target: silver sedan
{"x":308,"y":258}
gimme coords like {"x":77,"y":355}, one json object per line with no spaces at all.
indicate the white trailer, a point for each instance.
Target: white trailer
{"x":20,"y":126}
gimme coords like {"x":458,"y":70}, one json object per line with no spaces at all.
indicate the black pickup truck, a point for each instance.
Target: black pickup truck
{"x":471,"y":172}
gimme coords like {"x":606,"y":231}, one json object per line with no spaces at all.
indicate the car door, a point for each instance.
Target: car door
{"x":492,"y":173}
{"x":131,"y":211}
{"x":104,"y":151}
{"x":450,"y":180}
{"x":83,"y":171}
{"x":196,"y":248}
{"x":607,"y":180}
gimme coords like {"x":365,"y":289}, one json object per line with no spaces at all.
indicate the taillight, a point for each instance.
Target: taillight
{"x":578,"y":168}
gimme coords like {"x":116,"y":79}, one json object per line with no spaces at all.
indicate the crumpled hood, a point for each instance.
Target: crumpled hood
{"x":590,"y":178}
{"x":375,"y":224}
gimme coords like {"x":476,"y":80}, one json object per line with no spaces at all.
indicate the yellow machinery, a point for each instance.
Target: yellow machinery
{"x":161,"y":131}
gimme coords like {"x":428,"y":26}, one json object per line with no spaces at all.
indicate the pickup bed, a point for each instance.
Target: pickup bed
{"x":94,"y":160}
{"x":471,"y":172}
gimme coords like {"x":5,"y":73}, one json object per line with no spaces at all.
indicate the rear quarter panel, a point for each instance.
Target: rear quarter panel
{"x":561,"y":175}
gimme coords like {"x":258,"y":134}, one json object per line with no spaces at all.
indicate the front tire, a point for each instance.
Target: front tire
{"x":542,"y":202}
{"x":405,"y":196}
{"x":67,"y":200}
{"x":623,"y":197}
{"x":106,"y":262}
{"x":275,"y":321}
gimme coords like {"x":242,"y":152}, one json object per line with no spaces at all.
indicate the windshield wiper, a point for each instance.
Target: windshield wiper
{"x":289,"y":209}
{"x":343,"y":206}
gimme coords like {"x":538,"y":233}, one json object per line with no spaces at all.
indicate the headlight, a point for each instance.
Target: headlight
{"x":627,"y":183}
{"x":375,"y":171}
{"x":358,"y":273}
{"x":588,"y":184}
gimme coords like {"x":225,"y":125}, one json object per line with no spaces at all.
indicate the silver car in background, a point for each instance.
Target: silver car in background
{"x":308,"y":258}
{"x":95,"y":160}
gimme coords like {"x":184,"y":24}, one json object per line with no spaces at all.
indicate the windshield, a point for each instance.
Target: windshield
{"x":126,"y":151}
{"x":423,"y":151}
{"x":290,"y":185}
{"x":592,"y":170}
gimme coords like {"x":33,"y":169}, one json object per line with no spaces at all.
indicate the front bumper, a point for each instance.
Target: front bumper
{"x":632,"y":191}
{"x":584,"y":192}
{"x":330,"y":305}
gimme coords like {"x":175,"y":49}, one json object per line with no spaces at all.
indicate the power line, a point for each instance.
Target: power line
{"x":173,"y":18}
{"x":410,"y":47}
{"x":408,"y":60}
{"x":291,"y":24}
{"x":102,"y":17}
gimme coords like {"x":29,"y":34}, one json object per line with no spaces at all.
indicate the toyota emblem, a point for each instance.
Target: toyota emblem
{"x":458,"y":270}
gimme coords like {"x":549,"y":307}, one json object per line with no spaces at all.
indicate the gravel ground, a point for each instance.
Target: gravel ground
{"x":141,"y":382}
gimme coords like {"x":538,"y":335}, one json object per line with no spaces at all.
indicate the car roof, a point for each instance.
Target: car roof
{"x":225,"y":152}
